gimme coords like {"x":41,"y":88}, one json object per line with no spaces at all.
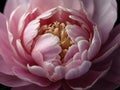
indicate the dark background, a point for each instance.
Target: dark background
{"x":2,"y":4}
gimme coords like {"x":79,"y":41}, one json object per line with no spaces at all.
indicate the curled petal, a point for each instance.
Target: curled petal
{"x":37,"y":70}
{"x":71,"y":51}
{"x":75,"y":31}
{"x":95,"y":45}
{"x":30,"y":33}
{"x":79,"y":71}
{"x":47,"y":44}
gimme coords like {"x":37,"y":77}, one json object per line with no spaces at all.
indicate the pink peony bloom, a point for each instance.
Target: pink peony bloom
{"x":60,"y":45}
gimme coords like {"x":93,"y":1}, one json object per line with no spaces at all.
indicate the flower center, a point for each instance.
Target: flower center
{"x":59,"y":30}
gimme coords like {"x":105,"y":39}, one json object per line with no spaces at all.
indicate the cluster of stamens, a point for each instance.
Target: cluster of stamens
{"x":59,"y":30}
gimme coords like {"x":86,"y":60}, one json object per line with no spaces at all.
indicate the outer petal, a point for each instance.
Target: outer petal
{"x":46,"y":4}
{"x":12,"y":4}
{"x":4,"y":67}
{"x":12,"y":81}
{"x":112,"y":79}
{"x":89,"y":6}
{"x":55,"y":86}
{"x":27,"y":76}
{"x":85,"y":80}
{"x":105,"y":15}
{"x":4,"y":41}
{"x":14,"y":20}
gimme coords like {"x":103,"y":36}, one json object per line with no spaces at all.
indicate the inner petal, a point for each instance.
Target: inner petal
{"x":58,"y":29}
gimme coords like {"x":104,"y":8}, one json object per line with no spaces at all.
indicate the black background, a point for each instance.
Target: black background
{"x":2,"y":4}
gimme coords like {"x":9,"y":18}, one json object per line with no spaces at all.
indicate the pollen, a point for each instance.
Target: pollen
{"x":59,"y":30}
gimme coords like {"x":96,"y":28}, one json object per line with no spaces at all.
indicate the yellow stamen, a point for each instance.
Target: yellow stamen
{"x":59,"y":30}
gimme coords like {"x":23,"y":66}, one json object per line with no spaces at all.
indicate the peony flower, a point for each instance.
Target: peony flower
{"x":59,"y":45}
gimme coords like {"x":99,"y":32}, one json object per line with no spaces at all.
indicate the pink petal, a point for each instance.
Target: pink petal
{"x":76,"y":4}
{"x":22,"y":51}
{"x":54,"y":86}
{"x":13,"y":4}
{"x":58,"y":74}
{"x":95,"y":45}
{"x":5,"y":48}
{"x":89,"y":6}
{"x":12,"y":81}
{"x":37,"y":70}
{"x":3,"y":25}
{"x":47,"y":44}
{"x":103,"y":57}
{"x":14,"y":20}
{"x":86,"y":80}
{"x":73,"y":64}
{"x":30,"y":33}
{"x":105,"y":16}
{"x":79,"y":71}
{"x":83,"y":45}
{"x":26,"y":18}
{"x":27,"y":76}
{"x":70,"y":53}
{"x":75,"y":31}
{"x":38,"y":57}
{"x":65,"y":3}
{"x":4,"y":67}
